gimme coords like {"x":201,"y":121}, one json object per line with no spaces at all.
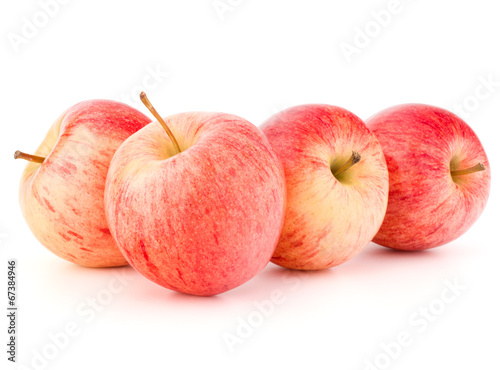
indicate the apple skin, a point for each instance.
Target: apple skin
{"x":427,"y":206}
{"x":62,"y":199}
{"x":202,"y":221}
{"x":327,"y":221}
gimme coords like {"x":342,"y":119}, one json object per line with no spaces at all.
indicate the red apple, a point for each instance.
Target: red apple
{"x":335,"y":205}
{"x":62,"y":188}
{"x":439,"y":176}
{"x":199,"y":210}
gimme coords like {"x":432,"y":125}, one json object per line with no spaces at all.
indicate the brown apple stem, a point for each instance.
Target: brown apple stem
{"x":28,"y":157}
{"x":148,"y":105}
{"x":355,"y":158}
{"x":467,"y":171}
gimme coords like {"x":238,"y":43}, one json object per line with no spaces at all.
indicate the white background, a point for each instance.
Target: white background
{"x":259,"y":57}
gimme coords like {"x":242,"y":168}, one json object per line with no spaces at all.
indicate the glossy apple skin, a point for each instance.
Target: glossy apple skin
{"x":205,"y":220}
{"x":62,"y":199}
{"x":327,"y":221}
{"x":427,"y":207}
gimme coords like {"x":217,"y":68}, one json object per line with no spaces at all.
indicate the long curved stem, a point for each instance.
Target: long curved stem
{"x":153,"y":111}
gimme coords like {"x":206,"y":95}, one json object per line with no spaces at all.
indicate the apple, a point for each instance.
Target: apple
{"x":195,"y":201}
{"x":337,"y":185}
{"x":438,"y":172}
{"x":62,"y":188}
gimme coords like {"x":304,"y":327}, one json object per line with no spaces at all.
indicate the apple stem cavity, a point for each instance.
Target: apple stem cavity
{"x":153,"y":111}
{"x":355,"y":158}
{"x":28,"y":157}
{"x":478,"y":167}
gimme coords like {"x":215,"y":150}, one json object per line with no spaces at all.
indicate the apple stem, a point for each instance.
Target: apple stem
{"x":355,"y":158}
{"x":467,"y":171}
{"x":28,"y":157}
{"x":148,"y":105}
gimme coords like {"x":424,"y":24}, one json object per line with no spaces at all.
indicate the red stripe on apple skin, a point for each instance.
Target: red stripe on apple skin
{"x":427,"y":208}
{"x":64,"y":236}
{"x":105,"y":231}
{"x":49,"y":206}
{"x":143,"y":250}
{"x":65,"y":168}
{"x":180,"y":276}
{"x":76,"y":235}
